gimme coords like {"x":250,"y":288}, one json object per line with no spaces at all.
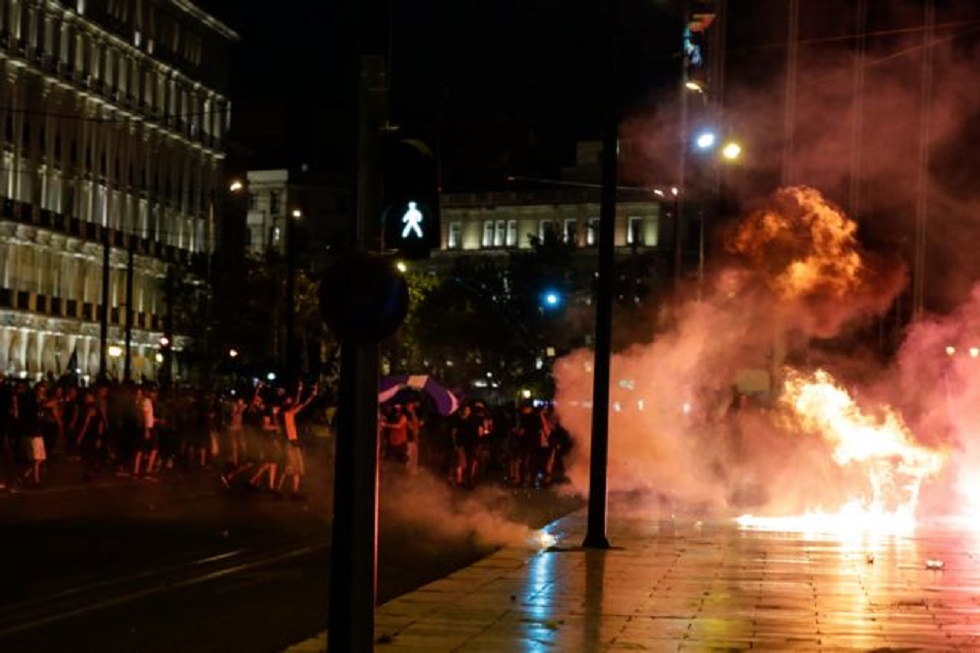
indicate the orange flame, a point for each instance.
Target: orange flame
{"x":883,"y":448}
{"x":806,"y":246}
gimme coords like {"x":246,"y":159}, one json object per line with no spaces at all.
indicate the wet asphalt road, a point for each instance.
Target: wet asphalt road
{"x":184,"y":564}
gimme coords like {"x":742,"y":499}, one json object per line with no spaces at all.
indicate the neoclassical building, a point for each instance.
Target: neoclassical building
{"x":502,"y":221}
{"x":113,"y":115}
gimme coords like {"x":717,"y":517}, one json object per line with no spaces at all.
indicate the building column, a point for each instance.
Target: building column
{"x":32,"y":354}
{"x":6,"y":352}
{"x":18,"y":351}
{"x":88,"y":356}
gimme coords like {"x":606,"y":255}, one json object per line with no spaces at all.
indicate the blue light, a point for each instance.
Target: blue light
{"x":551,"y":299}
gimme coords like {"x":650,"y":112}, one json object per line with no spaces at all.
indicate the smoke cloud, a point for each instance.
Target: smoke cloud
{"x":885,"y":144}
{"x":425,"y":503}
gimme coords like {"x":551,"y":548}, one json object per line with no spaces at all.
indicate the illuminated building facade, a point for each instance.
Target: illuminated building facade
{"x":504,"y":221}
{"x":313,"y":204}
{"x":114,"y":114}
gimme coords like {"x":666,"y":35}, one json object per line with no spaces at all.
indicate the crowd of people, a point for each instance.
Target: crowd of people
{"x":138,"y":431}
{"x":520,"y":446}
{"x":253,"y":439}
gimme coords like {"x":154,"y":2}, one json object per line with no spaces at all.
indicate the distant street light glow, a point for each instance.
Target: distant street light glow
{"x":705,"y":140}
{"x":236,"y":186}
{"x":731,"y":151}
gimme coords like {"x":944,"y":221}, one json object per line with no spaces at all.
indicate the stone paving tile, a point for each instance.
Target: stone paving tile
{"x":695,"y":587}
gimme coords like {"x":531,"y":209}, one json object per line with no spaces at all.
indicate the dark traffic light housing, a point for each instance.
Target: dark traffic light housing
{"x":410,"y":217}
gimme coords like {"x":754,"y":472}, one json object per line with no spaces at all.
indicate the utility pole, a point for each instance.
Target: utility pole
{"x":595,"y":536}
{"x":680,"y":194}
{"x":290,"y":345}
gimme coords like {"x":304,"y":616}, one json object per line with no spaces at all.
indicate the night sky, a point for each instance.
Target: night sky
{"x":509,"y":85}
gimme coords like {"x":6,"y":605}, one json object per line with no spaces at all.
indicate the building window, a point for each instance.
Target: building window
{"x":544,"y":228}
{"x":512,"y":233}
{"x":570,"y":232}
{"x":488,"y":229}
{"x":635,"y":234}
{"x":592,"y":237}
{"x":499,"y":233}
{"x":274,"y":203}
{"x":455,"y":235}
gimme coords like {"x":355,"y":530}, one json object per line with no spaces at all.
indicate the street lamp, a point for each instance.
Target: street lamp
{"x":115,"y":351}
{"x":705,"y":140}
{"x":295,"y":215}
{"x":693,"y":85}
{"x":731,"y":151}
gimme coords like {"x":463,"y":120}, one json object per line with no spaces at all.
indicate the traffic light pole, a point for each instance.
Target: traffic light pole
{"x":353,"y":556}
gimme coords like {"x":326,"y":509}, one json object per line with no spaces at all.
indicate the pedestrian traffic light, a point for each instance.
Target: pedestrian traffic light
{"x":410,"y":216}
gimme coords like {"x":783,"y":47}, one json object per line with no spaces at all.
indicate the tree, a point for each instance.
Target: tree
{"x":482,"y":318}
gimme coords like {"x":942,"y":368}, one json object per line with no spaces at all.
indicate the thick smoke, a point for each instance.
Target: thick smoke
{"x":799,"y":269}
{"x":797,"y":273}
{"x":864,"y":125}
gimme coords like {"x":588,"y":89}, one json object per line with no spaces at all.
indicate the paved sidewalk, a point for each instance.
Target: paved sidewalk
{"x":671,"y":586}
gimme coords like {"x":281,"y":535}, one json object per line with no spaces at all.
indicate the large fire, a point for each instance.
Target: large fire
{"x":796,"y":271}
{"x":881,"y":446}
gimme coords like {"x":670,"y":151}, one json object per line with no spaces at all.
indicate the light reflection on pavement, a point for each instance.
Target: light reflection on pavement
{"x":667,"y":585}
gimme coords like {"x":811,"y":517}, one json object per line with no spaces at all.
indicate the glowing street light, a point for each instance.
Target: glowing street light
{"x":236,"y":186}
{"x":731,"y":151}
{"x":115,"y":351}
{"x":233,"y":353}
{"x":705,"y":140}
{"x":693,"y":85}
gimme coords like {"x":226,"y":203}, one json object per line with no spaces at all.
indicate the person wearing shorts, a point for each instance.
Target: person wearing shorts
{"x":295,"y":466}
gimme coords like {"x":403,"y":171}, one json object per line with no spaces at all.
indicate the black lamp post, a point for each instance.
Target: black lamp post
{"x":290,"y":345}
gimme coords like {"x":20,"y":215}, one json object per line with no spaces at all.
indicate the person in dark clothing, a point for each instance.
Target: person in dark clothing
{"x":90,"y":439}
{"x":466,"y":437}
{"x":29,"y":407}
{"x":6,"y":430}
